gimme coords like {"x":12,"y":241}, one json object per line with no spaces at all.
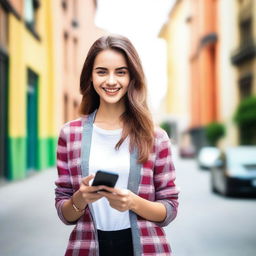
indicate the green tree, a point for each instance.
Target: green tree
{"x":167,"y":127}
{"x":245,"y":118}
{"x":214,"y":131}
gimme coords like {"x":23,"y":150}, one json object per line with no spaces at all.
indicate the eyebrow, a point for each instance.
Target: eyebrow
{"x":107,"y":69}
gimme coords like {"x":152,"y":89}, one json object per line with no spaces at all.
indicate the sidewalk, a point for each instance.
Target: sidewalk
{"x":29,"y":224}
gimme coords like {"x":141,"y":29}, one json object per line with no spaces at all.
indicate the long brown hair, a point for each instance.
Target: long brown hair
{"x":137,"y":120}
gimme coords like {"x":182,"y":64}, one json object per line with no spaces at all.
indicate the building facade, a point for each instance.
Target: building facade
{"x":29,"y":146}
{"x":228,"y":75}
{"x":243,"y":58}
{"x":42,"y":48}
{"x":221,"y":60}
{"x":4,"y":65}
{"x":203,"y":62}
{"x":74,"y":32}
{"x":176,"y":34}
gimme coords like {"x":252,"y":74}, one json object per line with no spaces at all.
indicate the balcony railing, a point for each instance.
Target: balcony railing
{"x":244,"y":53}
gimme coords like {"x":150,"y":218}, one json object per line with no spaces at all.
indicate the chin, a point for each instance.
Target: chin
{"x":112,"y":101}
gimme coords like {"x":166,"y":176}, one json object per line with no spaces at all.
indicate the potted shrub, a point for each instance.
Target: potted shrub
{"x":245,"y":118}
{"x":214,"y":131}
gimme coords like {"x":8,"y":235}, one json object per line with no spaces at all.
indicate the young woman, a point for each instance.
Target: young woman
{"x":115,"y":133}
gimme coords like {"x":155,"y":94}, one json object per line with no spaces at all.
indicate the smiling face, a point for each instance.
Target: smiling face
{"x":110,"y":77}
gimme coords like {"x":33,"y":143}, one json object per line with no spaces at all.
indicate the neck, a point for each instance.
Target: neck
{"x":108,"y":116}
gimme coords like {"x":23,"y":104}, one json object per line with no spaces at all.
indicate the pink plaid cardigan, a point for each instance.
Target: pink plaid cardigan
{"x":154,"y":181}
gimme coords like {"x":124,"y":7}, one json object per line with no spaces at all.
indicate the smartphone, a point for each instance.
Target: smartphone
{"x":105,"y":178}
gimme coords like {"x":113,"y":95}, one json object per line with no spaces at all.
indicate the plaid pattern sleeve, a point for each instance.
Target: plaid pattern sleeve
{"x":64,"y":189}
{"x":164,"y":176}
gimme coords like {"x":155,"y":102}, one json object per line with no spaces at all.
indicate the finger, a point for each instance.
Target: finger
{"x":117,"y":191}
{"x":91,"y":197}
{"x":88,"y":189}
{"x":108,"y":195}
{"x":87,"y":179}
{"x":92,"y":189}
{"x":109,"y":189}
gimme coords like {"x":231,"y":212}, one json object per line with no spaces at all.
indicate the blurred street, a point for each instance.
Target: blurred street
{"x":209,"y":224}
{"x":206,"y":225}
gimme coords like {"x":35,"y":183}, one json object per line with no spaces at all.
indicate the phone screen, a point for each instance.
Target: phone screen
{"x":106,"y":178}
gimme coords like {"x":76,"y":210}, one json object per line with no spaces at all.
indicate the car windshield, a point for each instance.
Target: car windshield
{"x":242,"y":156}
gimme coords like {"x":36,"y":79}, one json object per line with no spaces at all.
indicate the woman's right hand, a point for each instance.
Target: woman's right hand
{"x":86,"y":193}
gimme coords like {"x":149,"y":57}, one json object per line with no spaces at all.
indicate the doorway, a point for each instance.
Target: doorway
{"x":32,"y":120}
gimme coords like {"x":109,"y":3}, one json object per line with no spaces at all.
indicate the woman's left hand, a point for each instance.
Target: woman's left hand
{"x":123,"y":200}
{"x":119,"y":199}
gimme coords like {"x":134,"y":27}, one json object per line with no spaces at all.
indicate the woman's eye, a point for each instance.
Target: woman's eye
{"x":101,"y":72}
{"x":121,"y":72}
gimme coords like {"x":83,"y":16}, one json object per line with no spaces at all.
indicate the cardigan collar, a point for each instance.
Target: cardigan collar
{"x":133,"y":180}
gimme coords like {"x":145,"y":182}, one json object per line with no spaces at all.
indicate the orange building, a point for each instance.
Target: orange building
{"x":203,"y":67}
{"x":203,"y":59}
{"x":74,"y":33}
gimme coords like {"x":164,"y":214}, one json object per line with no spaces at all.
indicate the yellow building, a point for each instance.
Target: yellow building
{"x":176,"y":33}
{"x":31,"y":136}
{"x":228,"y":76}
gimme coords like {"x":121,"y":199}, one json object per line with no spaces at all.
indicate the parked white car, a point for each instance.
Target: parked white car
{"x":207,"y":157}
{"x":235,"y":172}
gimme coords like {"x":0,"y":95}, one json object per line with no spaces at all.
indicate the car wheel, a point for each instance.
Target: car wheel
{"x":226,"y":191}
{"x":214,"y":190}
{"x":213,"y":187}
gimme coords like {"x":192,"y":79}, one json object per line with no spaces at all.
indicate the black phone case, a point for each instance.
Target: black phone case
{"x":105,"y":178}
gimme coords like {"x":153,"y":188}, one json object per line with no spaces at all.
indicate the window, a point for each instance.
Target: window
{"x":75,"y":14}
{"x":75,"y":109}
{"x":64,"y":5}
{"x":65,"y":108}
{"x":246,"y":32}
{"x":31,"y":13}
{"x":75,"y":55}
{"x":245,"y":86}
{"x":65,"y":51}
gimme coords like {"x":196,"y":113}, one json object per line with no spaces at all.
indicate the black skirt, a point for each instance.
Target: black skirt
{"x":115,"y":243}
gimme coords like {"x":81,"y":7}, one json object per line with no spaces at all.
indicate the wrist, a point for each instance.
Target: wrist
{"x":134,"y":203}
{"x":77,"y":207}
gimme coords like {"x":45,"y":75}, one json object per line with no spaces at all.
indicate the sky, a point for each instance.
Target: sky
{"x":141,"y":21}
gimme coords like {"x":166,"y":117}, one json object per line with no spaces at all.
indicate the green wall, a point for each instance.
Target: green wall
{"x":17,"y":165}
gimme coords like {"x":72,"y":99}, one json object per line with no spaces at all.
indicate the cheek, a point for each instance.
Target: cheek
{"x":126,"y":81}
{"x":96,"y":80}
{"x":96,"y":84}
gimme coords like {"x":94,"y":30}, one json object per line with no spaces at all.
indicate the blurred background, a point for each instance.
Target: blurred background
{"x":199,"y":57}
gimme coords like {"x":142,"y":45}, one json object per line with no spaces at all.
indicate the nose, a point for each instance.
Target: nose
{"x":111,"y":80}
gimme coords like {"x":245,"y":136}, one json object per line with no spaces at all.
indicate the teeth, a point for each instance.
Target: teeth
{"x":111,"y":89}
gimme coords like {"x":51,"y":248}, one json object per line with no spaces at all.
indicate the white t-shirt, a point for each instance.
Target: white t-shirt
{"x":104,"y":156}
